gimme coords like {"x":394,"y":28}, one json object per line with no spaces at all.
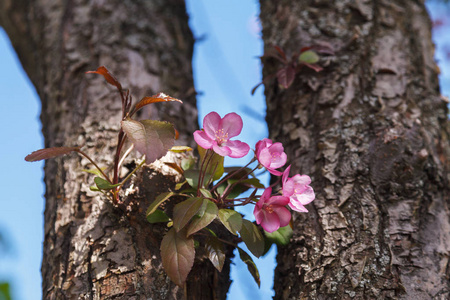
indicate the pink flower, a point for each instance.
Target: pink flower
{"x":271,"y":156}
{"x":298,"y":190}
{"x":217,"y":132}
{"x":271,"y":212}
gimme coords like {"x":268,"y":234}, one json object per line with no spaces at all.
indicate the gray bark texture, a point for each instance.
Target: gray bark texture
{"x":93,"y":249}
{"x":371,"y":130}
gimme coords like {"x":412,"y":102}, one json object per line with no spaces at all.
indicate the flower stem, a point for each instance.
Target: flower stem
{"x":93,"y":162}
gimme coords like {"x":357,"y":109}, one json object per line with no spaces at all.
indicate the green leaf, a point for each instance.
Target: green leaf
{"x":177,"y":255}
{"x":207,"y":213}
{"x":158,"y":201}
{"x":94,"y":188}
{"x":150,"y":137}
{"x":206,"y":193}
{"x":49,"y":153}
{"x":5,"y":292}
{"x":187,"y":163}
{"x":215,"y":168}
{"x":184,"y":211}
{"x":180,"y":149}
{"x":231,"y":219}
{"x":309,"y":57}
{"x":251,"y":266}
{"x":280,"y":237}
{"x":192,"y":177}
{"x":94,"y":171}
{"x":252,"y":237}
{"x":179,"y":185}
{"x":104,"y":184}
{"x":254,"y":182}
{"x":158,"y":217}
{"x":215,"y":251}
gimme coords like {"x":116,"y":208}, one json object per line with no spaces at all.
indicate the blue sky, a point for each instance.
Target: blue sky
{"x":225,"y":70}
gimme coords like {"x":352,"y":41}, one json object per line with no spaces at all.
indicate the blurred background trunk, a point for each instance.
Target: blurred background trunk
{"x":371,"y":131}
{"x":93,"y":250}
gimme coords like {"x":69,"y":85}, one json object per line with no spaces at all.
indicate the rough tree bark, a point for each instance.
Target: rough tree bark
{"x":371,"y":132}
{"x":93,"y":250}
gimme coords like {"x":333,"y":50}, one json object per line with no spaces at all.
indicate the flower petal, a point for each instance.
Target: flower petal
{"x":211,"y":124}
{"x":259,"y":214}
{"x":306,"y":197}
{"x":221,"y":150}
{"x":265,"y":157}
{"x":232,"y":124}
{"x":274,"y":172}
{"x":203,"y":139}
{"x":288,"y":187}
{"x":238,"y":149}
{"x":284,"y":215}
{"x":301,"y":180}
{"x":297,"y":206}
{"x":270,"y":222}
{"x":286,"y":175}
{"x":278,"y":201}
{"x":265,"y":196}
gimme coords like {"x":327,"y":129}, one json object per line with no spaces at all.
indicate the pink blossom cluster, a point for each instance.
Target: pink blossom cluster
{"x":270,"y":211}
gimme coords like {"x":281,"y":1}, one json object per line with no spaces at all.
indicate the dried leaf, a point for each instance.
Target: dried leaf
{"x":150,"y":137}
{"x":175,"y":167}
{"x":177,"y":255}
{"x":49,"y":153}
{"x":108,"y":76}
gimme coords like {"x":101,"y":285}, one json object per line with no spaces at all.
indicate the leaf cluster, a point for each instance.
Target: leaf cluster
{"x":150,"y":137}
{"x":290,"y":66}
{"x":211,"y":193}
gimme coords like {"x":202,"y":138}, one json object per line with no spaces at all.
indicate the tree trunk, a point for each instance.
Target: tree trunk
{"x":371,"y":131}
{"x":92,"y":249}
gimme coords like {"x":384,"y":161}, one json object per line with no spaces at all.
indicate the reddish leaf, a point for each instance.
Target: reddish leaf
{"x":252,"y":237}
{"x":257,"y":86}
{"x":49,"y":153}
{"x":150,"y":137}
{"x":286,"y":76}
{"x":315,"y":67}
{"x":279,"y":50}
{"x":177,"y":255}
{"x":161,"y":97}
{"x":205,"y":216}
{"x":251,"y":266}
{"x":215,"y":251}
{"x":108,"y":76}
{"x":184,"y":211}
